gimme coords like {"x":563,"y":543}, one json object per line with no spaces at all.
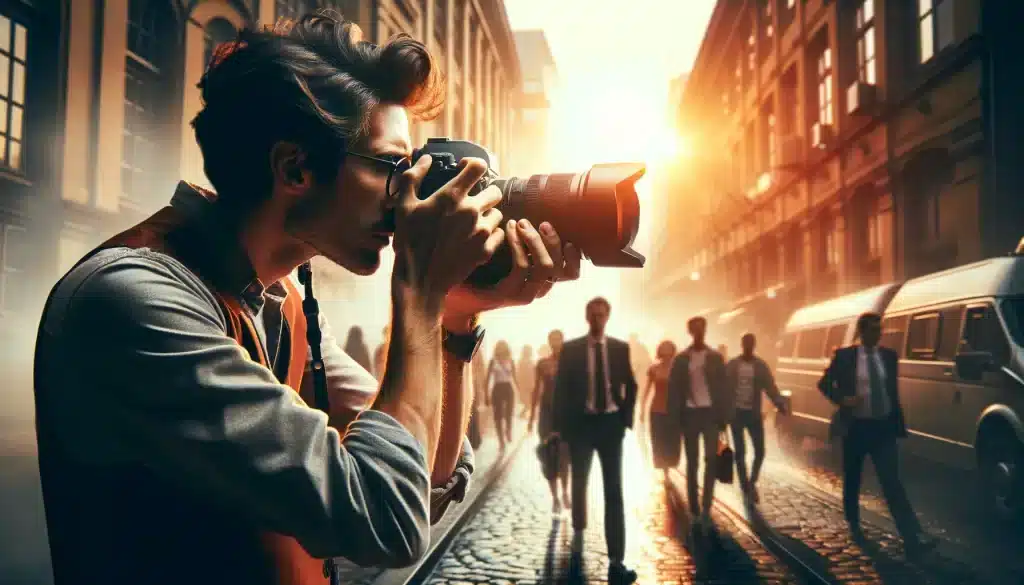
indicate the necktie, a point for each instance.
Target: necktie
{"x":600,"y":392}
{"x":877,"y":396}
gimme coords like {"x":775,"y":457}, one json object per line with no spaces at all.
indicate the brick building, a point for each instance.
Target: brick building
{"x":96,"y":100}
{"x":843,"y":144}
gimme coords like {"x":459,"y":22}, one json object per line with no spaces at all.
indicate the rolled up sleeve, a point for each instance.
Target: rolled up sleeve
{"x":187,"y":402}
{"x":352,"y":389}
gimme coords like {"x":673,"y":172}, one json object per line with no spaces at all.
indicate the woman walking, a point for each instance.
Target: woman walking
{"x":664,"y":425}
{"x":501,"y":378}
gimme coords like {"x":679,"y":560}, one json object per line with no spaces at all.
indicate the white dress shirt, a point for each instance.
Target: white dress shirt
{"x":610,"y":404}
{"x":864,"y":409}
{"x":700,"y":395}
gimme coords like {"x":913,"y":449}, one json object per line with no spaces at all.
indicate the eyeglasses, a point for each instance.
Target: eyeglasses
{"x":396,"y":163}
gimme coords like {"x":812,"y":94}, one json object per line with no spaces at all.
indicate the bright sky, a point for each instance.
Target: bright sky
{"x":615,"y":61}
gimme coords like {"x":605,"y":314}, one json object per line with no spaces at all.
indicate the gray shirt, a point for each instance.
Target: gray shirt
{"x":136,"y":368}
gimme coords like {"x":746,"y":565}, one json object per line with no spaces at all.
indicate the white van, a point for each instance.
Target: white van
{"x":960,"y":337}
{"x":806,"y":345}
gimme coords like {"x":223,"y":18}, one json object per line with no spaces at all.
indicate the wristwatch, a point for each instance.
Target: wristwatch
{"x":463,"y":345}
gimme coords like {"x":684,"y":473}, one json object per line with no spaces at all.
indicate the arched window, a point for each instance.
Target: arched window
{"x":147,"y":85}
{"x":218,"y":30}
{"x":294,"y":9}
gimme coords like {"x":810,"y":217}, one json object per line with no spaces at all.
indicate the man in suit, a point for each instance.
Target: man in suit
{"x":595,"y":395}
{"x":862,"y":381}
{"x":698,"y":390}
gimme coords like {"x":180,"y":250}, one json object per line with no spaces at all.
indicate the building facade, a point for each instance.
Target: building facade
{"x":530,"y":145}
{"x":97,"y":97}
{"x":843,"y":144}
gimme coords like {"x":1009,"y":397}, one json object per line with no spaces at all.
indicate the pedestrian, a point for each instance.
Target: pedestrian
{"x":664,"y":424}
{"x":526,"y":370}
{"x":356,"y":348}
{"x":543,"y":403}
{"x":863,"y":381}
{"x":748,"y":376}
{"x":189,"y":431}
{"x":501,"y":378}
{"x":595,"y":397}
{"x":697,"y":378}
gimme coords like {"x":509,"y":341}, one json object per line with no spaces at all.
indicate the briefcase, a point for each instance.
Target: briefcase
{"x":725,"y":460}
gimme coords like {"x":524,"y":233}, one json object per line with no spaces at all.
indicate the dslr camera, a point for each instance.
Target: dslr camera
{"x":597,"y":210}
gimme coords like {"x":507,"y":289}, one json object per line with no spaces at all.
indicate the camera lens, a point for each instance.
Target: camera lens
{"x":598,"y":211}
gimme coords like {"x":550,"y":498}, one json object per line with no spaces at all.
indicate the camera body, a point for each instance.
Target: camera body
{"x":445,"y":156}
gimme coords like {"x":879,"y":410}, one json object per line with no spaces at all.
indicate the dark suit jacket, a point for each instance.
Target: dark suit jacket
{"x":572,"y":384}
{"x":840,"y":381}
{"x":718,"y":385}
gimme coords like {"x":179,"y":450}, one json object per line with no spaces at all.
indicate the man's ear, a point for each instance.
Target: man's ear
{"x":288,"y":165}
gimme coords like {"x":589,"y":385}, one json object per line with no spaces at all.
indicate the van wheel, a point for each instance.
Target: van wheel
{"x":1001,"y":462}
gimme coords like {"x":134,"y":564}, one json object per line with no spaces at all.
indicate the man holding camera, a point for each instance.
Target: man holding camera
{"x":173,"y":366}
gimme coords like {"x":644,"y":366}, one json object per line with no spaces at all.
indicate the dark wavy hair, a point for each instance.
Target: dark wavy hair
{"x":312,"y":82}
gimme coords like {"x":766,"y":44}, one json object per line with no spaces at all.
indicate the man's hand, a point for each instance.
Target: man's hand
{"x":440,"y":240}
{"x":853,"y":401}
{"x":540,"y":259}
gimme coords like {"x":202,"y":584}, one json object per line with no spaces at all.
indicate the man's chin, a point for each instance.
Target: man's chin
{"x":362,"y":262}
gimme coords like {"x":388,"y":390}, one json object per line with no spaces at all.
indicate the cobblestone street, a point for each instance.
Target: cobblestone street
{"x":516,"y":539}
{"x":800,"y":499}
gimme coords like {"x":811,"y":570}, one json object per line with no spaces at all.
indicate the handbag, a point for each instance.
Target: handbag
{"x":547,"y":453}
{"x":725,"y":461}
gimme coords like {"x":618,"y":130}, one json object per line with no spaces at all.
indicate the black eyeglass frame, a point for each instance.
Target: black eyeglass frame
{"x":393,"y":166}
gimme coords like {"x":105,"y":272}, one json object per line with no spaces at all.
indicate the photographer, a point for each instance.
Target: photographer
{"x":173,"y":372}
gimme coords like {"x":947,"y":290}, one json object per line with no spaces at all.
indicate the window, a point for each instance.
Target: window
{"x":935,"y":26}
{"x":824,"y":77}
{"x":293,"y":9}
{"x":441,"y":22}
{"x":983,"y":332}
{"x":866,"y":42}
{"x":893,"y":332}
{"x":768,"y":145}
{"x":13,"y":68}
{"x":874,"y":233}
{"x":752,"y":46}
{"x":930,"y":211}
{"x":923,"y":337}
{"x":830,"y":244}
{"x":949,"y":340}
{"x":767,"y":17}
{"x":14,"y":259}
{"x":146,"y":83}
{"x":217,"y":31}
{"x":811,"y":344}
{"x":834,"y":340}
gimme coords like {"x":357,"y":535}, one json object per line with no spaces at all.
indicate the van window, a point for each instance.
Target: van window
{"x":983,"y":332}
{"x":923,"y":336}
{"x":893,"y":331}
{"x":949,"y":336}
{"x":786,"y":345}
{"x":834,"y":339}
{"x":811,"y":343}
